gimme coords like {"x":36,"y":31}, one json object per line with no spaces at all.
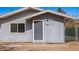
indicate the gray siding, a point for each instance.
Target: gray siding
{"x":53,"y":29}
{"x":54,"y":32}
{"x":6,"y":35}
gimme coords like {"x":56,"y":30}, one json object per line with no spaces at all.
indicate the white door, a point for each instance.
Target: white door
{"x":38,"y":31}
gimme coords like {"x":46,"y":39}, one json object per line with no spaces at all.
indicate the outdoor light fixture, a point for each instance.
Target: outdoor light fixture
{"x":46,"y":19}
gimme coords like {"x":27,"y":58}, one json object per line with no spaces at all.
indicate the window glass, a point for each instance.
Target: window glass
{"x":13,"y":27}
{"x":21,"y":27}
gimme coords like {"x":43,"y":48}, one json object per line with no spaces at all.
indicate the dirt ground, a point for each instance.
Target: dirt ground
{"x":23,"y":46}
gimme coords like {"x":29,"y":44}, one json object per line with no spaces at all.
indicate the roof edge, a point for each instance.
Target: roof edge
{"x":36,"y":8}
{"x":61,"y":14}
{"x":20,"y":10}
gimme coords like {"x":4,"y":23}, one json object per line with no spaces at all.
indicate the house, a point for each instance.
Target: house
{"x":33,"y":25}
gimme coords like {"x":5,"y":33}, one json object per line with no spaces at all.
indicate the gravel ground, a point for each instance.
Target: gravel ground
{"x":23,"y":46}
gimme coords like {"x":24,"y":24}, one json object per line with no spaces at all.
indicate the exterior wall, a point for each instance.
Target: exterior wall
{"x":6,"y":35}
{"x":54,"y":32}
{"x":53,"y":29}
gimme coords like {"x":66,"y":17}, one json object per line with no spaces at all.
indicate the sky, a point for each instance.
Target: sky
{"x":72,"y":11}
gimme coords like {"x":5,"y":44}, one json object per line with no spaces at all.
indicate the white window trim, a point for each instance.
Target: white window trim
{"x":17,"y":29}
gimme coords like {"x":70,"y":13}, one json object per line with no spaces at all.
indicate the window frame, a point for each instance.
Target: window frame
{"x":17,"y":28}
{"x":11,"y":28}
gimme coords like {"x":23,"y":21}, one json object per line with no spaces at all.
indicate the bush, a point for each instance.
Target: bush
{"x":70,"y":34}
{"x":69,"y":38}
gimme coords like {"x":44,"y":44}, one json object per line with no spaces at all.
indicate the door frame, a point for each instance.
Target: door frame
{"x":33,"y":30}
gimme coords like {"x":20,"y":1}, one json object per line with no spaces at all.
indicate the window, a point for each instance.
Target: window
{"x":28,"y":25}
{"x":13,"y":27}
{"x":18,"y":27}
{"x":21,"y":28}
